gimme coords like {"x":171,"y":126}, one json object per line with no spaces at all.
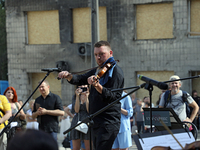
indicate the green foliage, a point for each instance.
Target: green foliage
{"x":2,"y":3}
{"x":3,"y":48}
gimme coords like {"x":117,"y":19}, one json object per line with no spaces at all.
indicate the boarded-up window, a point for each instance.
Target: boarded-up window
{"x":55,"y":85}
{"x":43,"y":27}
{"x":154,"y":21}
{"x":82,"y":24}
{"x":155,"y":75}
{"x":196,"y":82}
{"x":194,"y":17}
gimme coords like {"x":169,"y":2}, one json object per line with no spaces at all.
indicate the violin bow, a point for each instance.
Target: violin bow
{"x":83,"y":70}
{"x":87,"y":69}
{"x":166,"y":127}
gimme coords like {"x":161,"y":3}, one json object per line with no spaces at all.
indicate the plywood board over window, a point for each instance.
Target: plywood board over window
{"x":196,"y":82}
{"x":154,"y":21}
{"x":155,"y":75}
{"x":82,"y":24}
{"x":43,"y":27}
{"x":194,"y":17}
{"x":55,"y":85}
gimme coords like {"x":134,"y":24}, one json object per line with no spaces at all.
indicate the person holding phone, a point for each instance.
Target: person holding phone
{"x":81,"y":107}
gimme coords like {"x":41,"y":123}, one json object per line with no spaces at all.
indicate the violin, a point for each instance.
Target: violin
{"x":103,"y":70}
{"x":90,"y":69}
{"x":160,"y":148}
{"x":193,"y":146}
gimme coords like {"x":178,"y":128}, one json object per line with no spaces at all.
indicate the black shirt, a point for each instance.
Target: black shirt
{"x":98,"y":101}
{"x":197,"y":100}
{"x":48,"y":123}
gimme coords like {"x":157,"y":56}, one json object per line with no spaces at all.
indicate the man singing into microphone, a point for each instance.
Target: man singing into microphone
{"x":176,"y":100}
{"x":106,"y":124}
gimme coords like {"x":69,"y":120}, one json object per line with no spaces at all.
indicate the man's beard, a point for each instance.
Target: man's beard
{"x":175,"y":90}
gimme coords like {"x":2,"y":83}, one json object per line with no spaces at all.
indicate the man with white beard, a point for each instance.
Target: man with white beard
{"x":174,"y":99}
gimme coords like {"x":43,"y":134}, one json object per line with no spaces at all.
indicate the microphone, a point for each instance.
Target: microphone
{"x":52,"y":69}
{"x":160,"y":85}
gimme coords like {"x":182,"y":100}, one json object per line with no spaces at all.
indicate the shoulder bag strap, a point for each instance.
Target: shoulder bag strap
{"x":16,"y":105}
{"x":1,"y":116}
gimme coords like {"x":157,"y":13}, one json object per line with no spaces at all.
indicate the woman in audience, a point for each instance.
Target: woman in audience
{"x":31,"y":123}
{"x":11,"y":95}
{"x":81,"y":107}
{"x":64,"y":123}
{"x":123,"y":140}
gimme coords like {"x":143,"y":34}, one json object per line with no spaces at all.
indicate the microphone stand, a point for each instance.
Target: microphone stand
{"x":149,"y":87}
{"x":88,"y":120}
{"x":192,"y":77}
{"x":7,"y":126}
{"x":121,"y":89}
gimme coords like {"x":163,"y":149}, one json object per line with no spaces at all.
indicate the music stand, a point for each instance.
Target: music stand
{"x":168,"y":116}
{"x":163,"y":138}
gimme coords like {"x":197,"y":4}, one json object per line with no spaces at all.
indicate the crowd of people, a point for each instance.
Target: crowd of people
{"x":41,"y":115}
{"x":172,"y":98}
{"x":112,"y":128}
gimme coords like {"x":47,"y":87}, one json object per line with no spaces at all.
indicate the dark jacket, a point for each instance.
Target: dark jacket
{"x":98,"y":101}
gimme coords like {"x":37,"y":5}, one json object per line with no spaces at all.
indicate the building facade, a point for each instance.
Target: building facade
{"x":155,"y":38}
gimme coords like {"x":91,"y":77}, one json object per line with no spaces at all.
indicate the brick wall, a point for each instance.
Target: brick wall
{"x":179,"y":54}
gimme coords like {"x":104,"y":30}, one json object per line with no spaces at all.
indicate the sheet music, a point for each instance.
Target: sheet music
{"x":167,"y":140}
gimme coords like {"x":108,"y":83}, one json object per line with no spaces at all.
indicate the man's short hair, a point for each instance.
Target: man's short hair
{"x":139,"y":100}
{"x":102,"y":43}
{"x":45,"y":81}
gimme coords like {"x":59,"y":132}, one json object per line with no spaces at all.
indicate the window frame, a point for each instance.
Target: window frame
{"x":27,"y":33}
{"x":135,"y":23}
{"x":189,"y":24}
